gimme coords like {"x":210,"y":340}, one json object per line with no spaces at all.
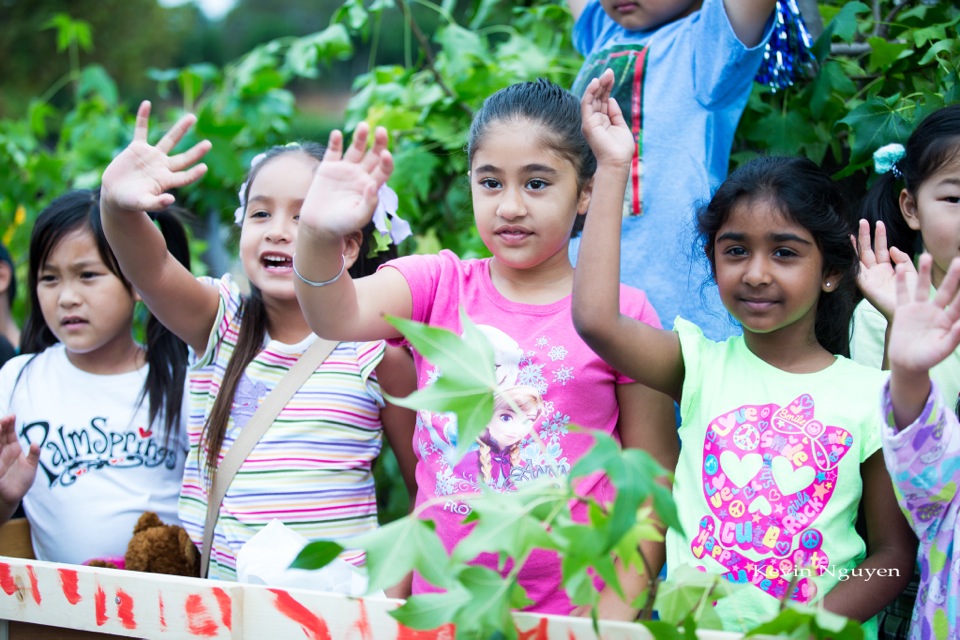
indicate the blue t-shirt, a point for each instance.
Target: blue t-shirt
{"x":682,"y":87}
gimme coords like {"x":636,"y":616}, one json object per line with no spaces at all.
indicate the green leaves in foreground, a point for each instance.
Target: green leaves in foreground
{"x":467,"y":382}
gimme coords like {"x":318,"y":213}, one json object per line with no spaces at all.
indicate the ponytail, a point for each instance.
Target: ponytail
{"x":882,"y":204}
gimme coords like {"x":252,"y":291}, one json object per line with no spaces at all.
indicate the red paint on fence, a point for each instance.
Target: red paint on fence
{"x":125,"y":610}
{"x":163,"y":619}
{"x":537,"y":633}
{"x":314,"y":627}
{"x":100,"y":606}
{"x":226,"y":606}
{"x":6,"y":580}
{"x":446,"y":632}
{"x":68,"y":582}
{"x":34,"y":585}
{"x":363,"y":624}
{"x":199,"y":620}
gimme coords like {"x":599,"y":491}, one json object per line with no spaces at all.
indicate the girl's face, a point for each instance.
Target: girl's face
{"x":86,"y":306}
{"x":525,"y":196}
{"x":269,"y":233}
{"x":769,"y":269}
{"x":934,"y":211}
{"x":507,"y":427}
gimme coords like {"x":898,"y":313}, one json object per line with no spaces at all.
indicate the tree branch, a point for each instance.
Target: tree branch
{"x":428,"y":54}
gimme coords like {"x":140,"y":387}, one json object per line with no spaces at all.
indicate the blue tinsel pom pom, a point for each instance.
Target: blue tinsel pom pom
{"x":787,"y":56}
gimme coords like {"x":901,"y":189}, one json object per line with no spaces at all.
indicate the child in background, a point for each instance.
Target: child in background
{"x":312,"y":469}
{"x":778,"y":442}
{"x":914,"y":205}
{"x":530,"y":177}
{"x":9,"y":331}
{"x":684,"y":71}
{"x":921,"y":438}
{"x":94,"y":437}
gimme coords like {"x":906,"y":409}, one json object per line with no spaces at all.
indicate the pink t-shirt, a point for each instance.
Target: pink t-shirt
{"x":548,"y":371}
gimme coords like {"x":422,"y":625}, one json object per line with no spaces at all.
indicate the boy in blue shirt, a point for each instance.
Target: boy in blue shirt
{"x":684,"y":72}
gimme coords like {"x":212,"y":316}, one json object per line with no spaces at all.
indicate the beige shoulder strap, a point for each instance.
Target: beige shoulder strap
{"x":261,"y":420}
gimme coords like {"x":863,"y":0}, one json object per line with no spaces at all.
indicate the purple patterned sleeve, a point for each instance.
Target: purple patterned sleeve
{"x":924,"y":462}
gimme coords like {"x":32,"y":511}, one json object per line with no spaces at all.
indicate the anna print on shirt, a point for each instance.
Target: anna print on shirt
{"x":523,"y":440}
{"x":66,"y":453}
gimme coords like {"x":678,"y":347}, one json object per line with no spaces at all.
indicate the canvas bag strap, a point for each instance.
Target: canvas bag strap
{"x":250,"y":435}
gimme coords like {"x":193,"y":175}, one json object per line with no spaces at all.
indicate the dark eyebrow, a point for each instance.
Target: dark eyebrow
{"x":789,"y":237}
{"x":735,"y":236}
{"x":529,"y":168}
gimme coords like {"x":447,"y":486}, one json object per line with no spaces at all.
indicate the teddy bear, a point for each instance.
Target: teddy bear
{"x":157,"y":548}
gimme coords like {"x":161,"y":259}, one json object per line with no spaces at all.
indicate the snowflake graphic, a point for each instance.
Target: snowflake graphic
{"x":446,"y":483}
{"x":563,"y":375}
{"x":542,"y":341}
{"x":557,"y":423}
{"x":558,"y":353}
{"x":531,"y":375}
{"x":433,"y":375}
{"x":526,"y":359}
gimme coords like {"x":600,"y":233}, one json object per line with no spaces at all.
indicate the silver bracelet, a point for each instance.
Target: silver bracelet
{"x":343,"y":265}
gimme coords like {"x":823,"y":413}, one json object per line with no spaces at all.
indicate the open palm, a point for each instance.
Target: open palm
{"x":17,"y":470}
{"x":138,"y":179}
{"x":878,"y":265}
{"x":343,"y":194}
{"x":925,"y":331}
{"x":603,"y":124}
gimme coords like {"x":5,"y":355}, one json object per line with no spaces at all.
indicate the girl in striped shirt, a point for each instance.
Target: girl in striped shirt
{"x":312,"y":468}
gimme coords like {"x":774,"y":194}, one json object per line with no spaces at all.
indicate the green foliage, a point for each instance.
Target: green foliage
{"x":468,"y":383}
{"x":479,"y":601}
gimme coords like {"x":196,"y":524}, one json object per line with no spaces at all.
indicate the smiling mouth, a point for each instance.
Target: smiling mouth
{"x":276,"y":262}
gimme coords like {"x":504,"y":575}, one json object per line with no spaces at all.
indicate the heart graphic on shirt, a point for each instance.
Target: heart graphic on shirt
{"x":791,"y":480}
{"x":762,"y":505}
{"x":145,"y":433}
{"x":740,"y":470}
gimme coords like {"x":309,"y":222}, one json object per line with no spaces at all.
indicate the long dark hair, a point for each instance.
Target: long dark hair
{"x":934,"y":144}
{"x":808,"y":196}
{"x":166,"y":354}
{"x":253,"y":317}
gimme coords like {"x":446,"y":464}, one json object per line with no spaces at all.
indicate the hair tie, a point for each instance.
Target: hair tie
{"x":787,"y":56}
{"x":887,"y":158}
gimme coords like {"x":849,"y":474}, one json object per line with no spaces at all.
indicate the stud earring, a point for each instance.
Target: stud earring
{"x":828,"y":285}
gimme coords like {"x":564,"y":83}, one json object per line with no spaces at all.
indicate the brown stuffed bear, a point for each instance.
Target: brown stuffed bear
{"x":158,"y":548}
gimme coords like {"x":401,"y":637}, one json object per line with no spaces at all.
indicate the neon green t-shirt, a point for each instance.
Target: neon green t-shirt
{"x":768,"y":482}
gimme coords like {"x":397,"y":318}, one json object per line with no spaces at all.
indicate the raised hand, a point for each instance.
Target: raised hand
{"x":603,"y":124}
{"x":877,"y":268}
{"x":924,"y":330}
{"x":343,"y":194}
{"x":17,"y":470}
{"x":138,"y":179}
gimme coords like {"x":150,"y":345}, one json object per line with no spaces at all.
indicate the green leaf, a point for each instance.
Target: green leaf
{"x":504,"y":523}
{"x":884,"y":53}
{"x":802,"y":622}
{"x":663,"y":630}
{"x":317,"y":555}
{"x":395,"y":549}
{"x":844,"y":24}
{"x":431,"y":610}
{"x":489,"y":610}
{"x":467,"y":380}
{"x":688,"y":593}
{"x":873,"y":124}
{"x":95,"y":81}
{"x":950,"y":47}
